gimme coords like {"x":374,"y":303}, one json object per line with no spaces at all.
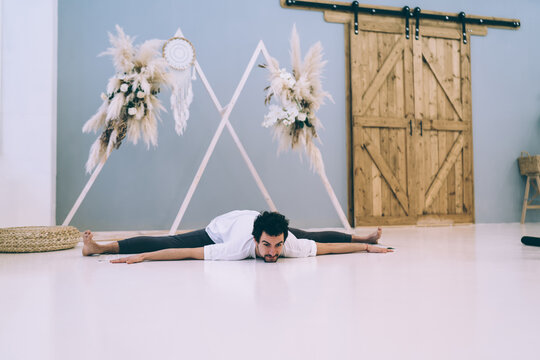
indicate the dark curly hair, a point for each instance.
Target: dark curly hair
{"x":272,"y":223}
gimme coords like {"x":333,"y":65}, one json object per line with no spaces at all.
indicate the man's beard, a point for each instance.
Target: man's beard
{"x":268,"y":258}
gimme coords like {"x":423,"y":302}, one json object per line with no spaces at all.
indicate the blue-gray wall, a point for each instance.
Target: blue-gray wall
{"x":140,"y":189}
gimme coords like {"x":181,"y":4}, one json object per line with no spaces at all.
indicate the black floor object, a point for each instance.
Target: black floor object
{"x":531,"y":240}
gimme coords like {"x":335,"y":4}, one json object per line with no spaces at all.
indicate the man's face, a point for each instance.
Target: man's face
{"x":270,"y":247}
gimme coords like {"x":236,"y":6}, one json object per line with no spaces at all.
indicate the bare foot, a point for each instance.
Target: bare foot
{"x":90,"y":246}
{"x":372,"y":238}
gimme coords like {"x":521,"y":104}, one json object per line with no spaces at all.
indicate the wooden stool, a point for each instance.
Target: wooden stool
{"x":531,"y":178}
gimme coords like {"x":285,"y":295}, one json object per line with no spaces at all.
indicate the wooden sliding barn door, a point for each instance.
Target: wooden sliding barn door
{"x":411,"y":112}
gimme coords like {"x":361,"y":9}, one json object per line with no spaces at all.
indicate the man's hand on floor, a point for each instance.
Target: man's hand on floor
{"x":378,"y":249}
{"x":130,"y":259}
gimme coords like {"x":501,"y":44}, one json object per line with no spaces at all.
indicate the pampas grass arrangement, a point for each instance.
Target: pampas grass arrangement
{"x":299,"y":95}
{"x":130,"y":109}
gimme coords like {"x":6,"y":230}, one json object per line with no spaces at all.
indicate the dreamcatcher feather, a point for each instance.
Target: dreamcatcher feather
{"x":299,"y":95}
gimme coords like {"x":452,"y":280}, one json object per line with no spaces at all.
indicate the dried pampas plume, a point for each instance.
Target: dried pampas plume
{"x":299,"y":95}
{"x":130,"y":108}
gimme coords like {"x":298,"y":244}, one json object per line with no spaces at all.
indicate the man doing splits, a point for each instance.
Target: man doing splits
{"x":237,"y":235}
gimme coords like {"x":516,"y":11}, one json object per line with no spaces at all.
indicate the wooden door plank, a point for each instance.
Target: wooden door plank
{"x":451,"y":178}
{"x":381,"y":27}
{"x":386,"y":193}
{"x":438,"y":113}
{"x":376,"y":182}
{"x":383,"y":167}
{"x":338,"y":17}
{"x":367,"y":166}
{"x":446,"y":53}
{"x":366,"y":173}
{"x":382,"y":73}
{"x":387,"y":221}
{"x":428,"y":148}
{"x":349,"y":127}
{"x":443,"y":189}
{"x":359,"y":68}
{"x":418,"y":79}
{"x":459,"y":183}
{"x":433,"y":169}
{"x":373,"y":47}
{"x":391,"y":83}
{"x":442,"y":102}
{"x":395,"y":94}
{"x":443,"y":172}
{"x":362,"y":162}
{"x":414,"y":111}
{"x":362,"y":173}
{"x":442,"y":113}
{"x":446,"y":125}
{"x":399,"y":90}
{"x":374,"y":133}
{"x":368,"y":47}
{"x":468,"y":185}
{"x":384,"y":46}
{"x":408,"y":82}
{"x":440,"y":32}
{"x":411,"y":162}
{"x":382,"y":55}
{"x":377,"y":121}
{"x":401,"y":169}
{"x":430,"y":110}
{"x":394,"y":165}
{"x":432,"y":61}
{"x":402,"y":160}
{"x":456,"y":79}
{"x":456,"y":86}
{"x":425,"y":176}
{"x":358,"y":172}
{"x":431,"y":94}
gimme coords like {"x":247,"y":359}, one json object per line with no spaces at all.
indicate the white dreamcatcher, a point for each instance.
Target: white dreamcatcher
{"x":180,"y":55}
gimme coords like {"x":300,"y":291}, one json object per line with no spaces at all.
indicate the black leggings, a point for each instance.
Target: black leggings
{"x":199,"y":238}
{"x":322,"y":236}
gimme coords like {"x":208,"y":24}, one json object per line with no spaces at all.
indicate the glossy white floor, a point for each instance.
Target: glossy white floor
{"x":462,"y":292}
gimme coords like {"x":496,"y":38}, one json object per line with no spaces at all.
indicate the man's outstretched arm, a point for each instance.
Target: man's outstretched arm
{"x":344,"y":248}
{"x":167,"y":254}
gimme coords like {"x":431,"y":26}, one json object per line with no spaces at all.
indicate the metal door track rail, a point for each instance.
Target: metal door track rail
{"x":407,"y":13}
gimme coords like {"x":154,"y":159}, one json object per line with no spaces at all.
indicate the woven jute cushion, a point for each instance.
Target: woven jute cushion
{"x":38,"y":238}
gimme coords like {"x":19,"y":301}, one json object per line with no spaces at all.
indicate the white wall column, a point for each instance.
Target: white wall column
{"x":28,"y":112}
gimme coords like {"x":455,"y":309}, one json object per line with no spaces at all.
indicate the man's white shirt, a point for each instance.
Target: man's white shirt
{"x":231,"y":233}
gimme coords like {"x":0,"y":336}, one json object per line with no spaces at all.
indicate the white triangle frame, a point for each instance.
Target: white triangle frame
{"x":225,"y":113}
